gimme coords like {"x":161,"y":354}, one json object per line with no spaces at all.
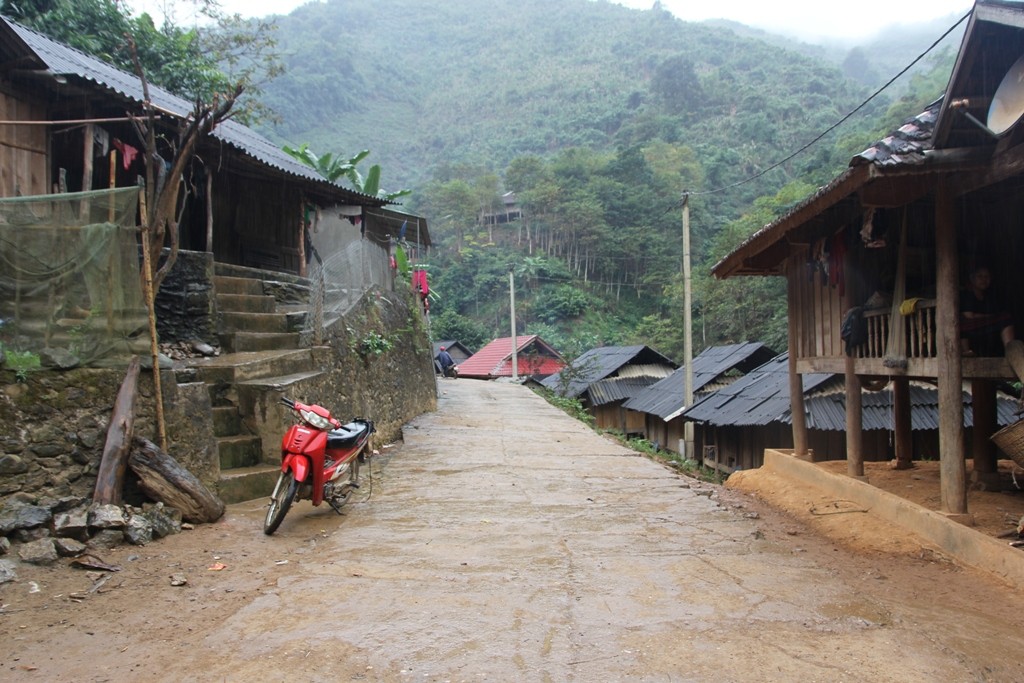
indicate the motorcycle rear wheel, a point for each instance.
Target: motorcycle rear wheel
{"x":280,"y":502}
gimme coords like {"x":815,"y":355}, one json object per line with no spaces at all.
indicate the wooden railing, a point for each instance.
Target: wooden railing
{"x":918,"y":330}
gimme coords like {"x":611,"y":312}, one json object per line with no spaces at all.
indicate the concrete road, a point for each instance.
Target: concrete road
{"x":504,"y":541}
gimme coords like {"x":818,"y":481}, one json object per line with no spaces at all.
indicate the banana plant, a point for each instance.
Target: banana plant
{"x":334,"y":167}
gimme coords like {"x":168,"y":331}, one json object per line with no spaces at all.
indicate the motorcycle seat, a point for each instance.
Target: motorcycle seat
{"x":346,"y":435}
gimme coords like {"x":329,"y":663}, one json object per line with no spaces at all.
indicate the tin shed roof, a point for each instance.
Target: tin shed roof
{"x":762,"y":397}
{"x":65,"y":61}
{"x":667,"y":397}
{"x":534,"y":357}
{"x":605,"y":361}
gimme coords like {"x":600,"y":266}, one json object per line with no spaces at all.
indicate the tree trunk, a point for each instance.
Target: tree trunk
{"x":114,"y":461}
{"x":164,"y":480}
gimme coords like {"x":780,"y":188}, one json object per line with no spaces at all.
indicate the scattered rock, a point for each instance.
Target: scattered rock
{"x":203,"y":348}
{"x":29,"y":535}
{"x":106,"y":539}
{"x":42,"y":551}
{"x":178,"y":580}
{"x":62,"y":359}
{"x":139,"y":530}
{"x":68,"y":547}
{"x":12,"y":464}
{"x":16,"y":515}
{"x":5,"y":545}
{"x":165,"y":520}
{"x":7,"y":573}
{"x":106,"y":517}
{"x":72,"y":524}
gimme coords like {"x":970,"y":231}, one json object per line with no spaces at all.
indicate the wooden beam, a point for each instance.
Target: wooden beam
{"x":953,"y":484}
{"x":983,"y":451}
{"x":796,"y":383}
{"x":854,"y":422}
{"x":903,"y":424}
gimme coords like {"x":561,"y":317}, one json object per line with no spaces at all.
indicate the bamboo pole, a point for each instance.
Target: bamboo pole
{"x":154,"y":344}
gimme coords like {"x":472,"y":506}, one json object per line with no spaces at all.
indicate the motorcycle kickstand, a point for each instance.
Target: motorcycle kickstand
{"x":335,"y":505}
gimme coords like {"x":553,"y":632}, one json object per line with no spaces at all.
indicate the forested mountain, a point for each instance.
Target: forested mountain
{"x":598,"y":117}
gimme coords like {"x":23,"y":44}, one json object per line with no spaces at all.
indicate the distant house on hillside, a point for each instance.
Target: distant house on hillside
{"x":656,"y":410}
{"x":605,"y":377}
{"x":737,"y":422}
{"x":534,"y":358}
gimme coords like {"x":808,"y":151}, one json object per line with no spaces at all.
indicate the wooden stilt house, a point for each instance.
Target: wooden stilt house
{"x":888,"y":244}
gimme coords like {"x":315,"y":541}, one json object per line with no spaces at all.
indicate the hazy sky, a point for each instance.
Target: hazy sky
{"x":808,"y":19}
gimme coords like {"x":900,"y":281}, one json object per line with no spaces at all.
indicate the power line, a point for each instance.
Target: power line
{"x":837,"y":123}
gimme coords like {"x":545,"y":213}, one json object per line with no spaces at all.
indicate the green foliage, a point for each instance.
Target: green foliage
{"x":374,"y":344}
{"x":195,"y":63}
{"x":21,"y":362}
{"x":571,"y":406}
{"x":451,"y":325}
{"x":333,"y":167}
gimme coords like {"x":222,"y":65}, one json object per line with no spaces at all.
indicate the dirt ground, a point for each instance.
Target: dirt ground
{"x":503,"y":541}
{"x":996,"y":513}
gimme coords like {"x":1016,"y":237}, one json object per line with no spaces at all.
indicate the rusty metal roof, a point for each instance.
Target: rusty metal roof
{"x":607,"y":361}
{"x":534,"y":357}
{"x":666,"y":398}
{"x":60,"y":60}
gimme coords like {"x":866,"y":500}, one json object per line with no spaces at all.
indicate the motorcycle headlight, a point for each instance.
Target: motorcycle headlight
{"x":318,"y":421}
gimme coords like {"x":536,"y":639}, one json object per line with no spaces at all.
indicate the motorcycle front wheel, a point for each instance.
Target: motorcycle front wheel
{"x":280,"y":501}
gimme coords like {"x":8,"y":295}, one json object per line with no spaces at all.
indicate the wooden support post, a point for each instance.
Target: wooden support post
{"x":854,"y":423}
{"x":953,"y":482}
{"x":902,"y":424}
{"x":985,"y":469}
{"x":209,"y":211}
{"x":796,"y":382}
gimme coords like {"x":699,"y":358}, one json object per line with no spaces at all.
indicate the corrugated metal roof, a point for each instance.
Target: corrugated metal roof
{"x":758,"y":398}
{"x":828,"y":411}
{"x":762,"y":397}
{"x":66,"y":61}
{"x":602,"y":362}
{"x":617,"y":389}
{"x":666,"y":398}
{"x":534,"y":357}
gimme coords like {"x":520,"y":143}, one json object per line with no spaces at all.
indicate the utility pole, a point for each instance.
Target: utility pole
{"x":512,"y":299}
{"x":687,"y":329}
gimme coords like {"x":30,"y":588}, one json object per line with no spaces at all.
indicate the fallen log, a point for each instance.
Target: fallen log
{"x":164,"y":480}
{"x":114,"y":461}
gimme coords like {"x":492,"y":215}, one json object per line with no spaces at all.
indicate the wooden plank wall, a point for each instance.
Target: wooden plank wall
{"x":24,"y":149}
{"x":817,"y":308}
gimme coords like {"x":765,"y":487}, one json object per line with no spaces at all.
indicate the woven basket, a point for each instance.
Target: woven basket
{"x":1010,"y":440}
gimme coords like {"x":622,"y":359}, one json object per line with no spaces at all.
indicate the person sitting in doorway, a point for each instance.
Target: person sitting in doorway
{"x":986,"y":327}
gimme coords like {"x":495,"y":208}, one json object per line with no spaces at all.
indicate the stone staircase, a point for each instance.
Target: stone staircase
{"x":260,"y":352}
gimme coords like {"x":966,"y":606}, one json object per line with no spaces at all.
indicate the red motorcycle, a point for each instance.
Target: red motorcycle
{"x":320,"y":460}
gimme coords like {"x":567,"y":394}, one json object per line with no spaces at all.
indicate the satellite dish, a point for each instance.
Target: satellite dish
{"x":1008,"y":103}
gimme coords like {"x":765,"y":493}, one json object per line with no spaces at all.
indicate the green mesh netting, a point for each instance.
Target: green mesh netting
{"x":70,"y":283}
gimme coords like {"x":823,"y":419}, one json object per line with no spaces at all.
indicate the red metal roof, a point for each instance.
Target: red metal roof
{"x":534,"y":357}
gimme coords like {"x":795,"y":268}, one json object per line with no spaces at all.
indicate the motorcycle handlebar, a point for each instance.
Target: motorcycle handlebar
{"x":288,"y":402}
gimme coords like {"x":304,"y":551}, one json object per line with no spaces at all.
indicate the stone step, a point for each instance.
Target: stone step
{"x":226,"y":284}
{"x":239,"y":451}
{"x":284,"y":382}
{"x":253,"y":322}
{"x":246,"y":303}
{"x":248,"y":483}
{"x":226,"y":421}
{"x":249,"y":365}
{"x":234,"y":342}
